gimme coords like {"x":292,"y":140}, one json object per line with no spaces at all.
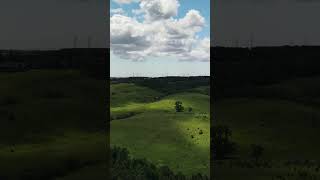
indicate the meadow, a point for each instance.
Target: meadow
{"x":53,"y":126}
{"x":144,"y":121}
{"x":282,"y":118}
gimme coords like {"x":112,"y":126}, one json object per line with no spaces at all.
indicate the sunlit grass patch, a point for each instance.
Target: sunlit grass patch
{"x":162,"y":135}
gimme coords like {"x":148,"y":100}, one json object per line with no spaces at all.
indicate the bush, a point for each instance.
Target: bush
{"x":200,"y":132}
{"x":256,"y":151}
{"x":221,"y":141}
{"x":178,"y":106}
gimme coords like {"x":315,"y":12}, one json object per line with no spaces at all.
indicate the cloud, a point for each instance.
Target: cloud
{"x":200,"y":52}
{"x":165,"y":36}
{"x":129,"y":38}
{"x":125,"y":1}
{"x":137,"y":11}
{"x":193,"y":21}
{"x":159,"y":9}
{"x":117,"y":11}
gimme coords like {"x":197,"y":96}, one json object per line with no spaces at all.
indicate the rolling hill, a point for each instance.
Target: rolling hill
{"x":284,"y":119}
{"x":52,"y":125}
{"x":145,"y":122}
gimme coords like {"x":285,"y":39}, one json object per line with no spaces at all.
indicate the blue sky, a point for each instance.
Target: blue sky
{"x":190,"y":59}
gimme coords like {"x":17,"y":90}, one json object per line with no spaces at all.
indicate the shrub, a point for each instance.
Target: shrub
{"x":178,"y":106}
{"x":256,"y":151}
{"x":221,"y":140}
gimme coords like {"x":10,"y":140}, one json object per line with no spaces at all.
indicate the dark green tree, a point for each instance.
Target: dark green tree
{"x":179,"y":107}
{"x":221,"y":142}
{"x":256,"y":151}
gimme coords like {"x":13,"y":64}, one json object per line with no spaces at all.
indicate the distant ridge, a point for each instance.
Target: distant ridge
{"x":159,"y":76}
{"x":148,"y":77}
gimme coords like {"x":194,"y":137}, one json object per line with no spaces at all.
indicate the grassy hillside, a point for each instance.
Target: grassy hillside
{"x":125,"y":93}
{"x":284,"y":119}
{"x":52,"y":124}
{"x":148,"y":126}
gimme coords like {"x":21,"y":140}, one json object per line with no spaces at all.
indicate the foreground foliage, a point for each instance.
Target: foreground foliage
{"x":223,"y":147}
{"x":123,"y":167}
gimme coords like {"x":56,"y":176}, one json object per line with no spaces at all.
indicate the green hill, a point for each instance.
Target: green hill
{"x":150,"y":128}
{"x":125,"y":93}
{"x":284,"y":119}
{"x":52,"y":124}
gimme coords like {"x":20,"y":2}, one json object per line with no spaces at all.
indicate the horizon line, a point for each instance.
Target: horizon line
{"x":157,"y":76}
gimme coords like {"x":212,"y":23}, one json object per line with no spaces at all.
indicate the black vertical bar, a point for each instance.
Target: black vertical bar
{"x":107,"y":15}
{"x":212,"y":86}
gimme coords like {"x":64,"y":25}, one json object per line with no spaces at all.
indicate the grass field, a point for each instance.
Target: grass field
{"x":52,"y":126}
{"x":283,"y":120}
{"x":146,"y":123}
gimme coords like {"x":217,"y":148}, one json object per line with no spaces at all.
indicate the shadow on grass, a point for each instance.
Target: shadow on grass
{"x":162,"y":137}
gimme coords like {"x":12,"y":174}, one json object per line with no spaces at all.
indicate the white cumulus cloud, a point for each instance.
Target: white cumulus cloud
{"x":159,"y":33}
{"x":159,"y":9}
{"x":124,"y":1}
{"x":117,"y":11}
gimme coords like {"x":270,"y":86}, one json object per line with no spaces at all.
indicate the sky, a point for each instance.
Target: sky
{"x":52,"y":24}
{"x":159,"y":38}
{"x":266,"y":22}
